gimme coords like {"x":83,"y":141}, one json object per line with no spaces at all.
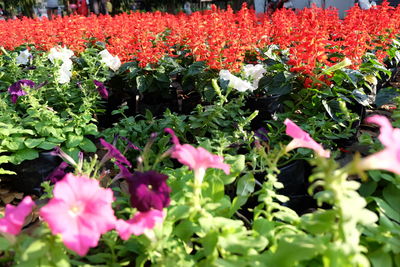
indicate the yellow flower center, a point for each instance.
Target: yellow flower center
{"x":75,"y":210}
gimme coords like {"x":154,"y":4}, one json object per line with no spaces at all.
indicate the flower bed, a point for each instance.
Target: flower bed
{"x":216,"y":139}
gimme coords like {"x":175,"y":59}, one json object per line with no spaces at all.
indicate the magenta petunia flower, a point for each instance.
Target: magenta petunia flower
{"x":113,"y":152}
{"x":388,"y":158}
{"x":139,"y":223}
{"x":303,"y":139}
{"x":58,"y":173}
{"x":15,"y":216}
{"x":101,"y":89}
{"x":80,"y":211}
{"x":16,"y":90}
{"x":149,"y":190}
{"x":130,"y":144}
{"x":197,"y":159}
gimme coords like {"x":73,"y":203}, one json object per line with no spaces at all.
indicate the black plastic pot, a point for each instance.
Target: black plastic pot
{"x":294,"y":177}
{"x":30,"y":173}
{"x":266,"y":105}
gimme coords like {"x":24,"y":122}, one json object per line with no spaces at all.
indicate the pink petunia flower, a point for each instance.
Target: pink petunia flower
{"x":80,"y":211}
{"x":302,"y":139}
{"x":15,"y":216}
{"x":139,"y":223}
{"x":197,"y":159}
{"x":388,"y":158}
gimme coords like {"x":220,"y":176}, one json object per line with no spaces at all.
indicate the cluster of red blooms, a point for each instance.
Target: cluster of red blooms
{"x":221,"y":38}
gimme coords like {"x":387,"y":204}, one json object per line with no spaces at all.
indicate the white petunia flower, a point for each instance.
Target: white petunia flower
{"x":23,"y":57}
{"x":235,"y":82}
{"x":60,"y":53}
{"x":65,"y":72}
{"x":254,"y":73}
{"x":112,"y":62}
{"x":64,"y":55}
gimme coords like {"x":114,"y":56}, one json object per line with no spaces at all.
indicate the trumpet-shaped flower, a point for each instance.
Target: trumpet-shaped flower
{"x":65,"y":72}
{"x":80,"y":211}
{"x":302,"y":139}
{"x":388,"y":158}
{"x":197,"y":159}
{"x":64,"y":55}
{"x":58,"y":173}
{"x":149,"y":190}
{"x":236,"y":82}
{"x":60,"y":53}
{"x":15,"y":216}
{"x":113,"y":152}
{"x":111,"y":61}
{"x":139,"y":223}
{"x":254,"y":73}
{"x":23,"y":57}
{"x":16,"y":90}
{"x":101,"y":89}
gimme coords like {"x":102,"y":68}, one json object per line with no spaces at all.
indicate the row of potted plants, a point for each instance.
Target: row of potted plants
{"x":188,"y":159}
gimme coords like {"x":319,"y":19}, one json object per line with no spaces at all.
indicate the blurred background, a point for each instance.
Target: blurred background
{"x":37,"y":8}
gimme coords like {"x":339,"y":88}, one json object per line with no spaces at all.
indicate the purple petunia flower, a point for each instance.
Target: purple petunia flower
{"x":16,"y":90}
{"x":130,"y":144}
{"x":101,"y":89}
{"x":58,"y":173}
{"x":149,"y":190}
{"x":113,"y":152}
{"x":123,"y":171}
{"x":262,"y":134}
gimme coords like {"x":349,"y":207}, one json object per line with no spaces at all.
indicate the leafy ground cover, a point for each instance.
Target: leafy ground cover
{"x":215,"y":139}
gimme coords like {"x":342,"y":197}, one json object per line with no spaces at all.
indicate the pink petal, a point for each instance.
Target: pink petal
{"x":15,"y":216}
{"x":196,"y":158}
{"x":386,"y":129}
{"x":387,"y":159}
{"x":80,"y":211}
{"x":139,"y":223}
{"x":175,"y":139}
{"x":186,"y":154}
{"x":302,"y":139}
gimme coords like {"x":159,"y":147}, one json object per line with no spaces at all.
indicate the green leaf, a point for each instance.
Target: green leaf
{"x":73,"y":140}
{"x":392,"y":196}
{"x":47,"y":145}
{"x":386,"y":96}
{"x":34,"y":251}
{"x":31,"y":143}
{"x":143,"y":82}
{"x":237,"y":164}
{"x":215,"y":189}
{"x":90,"y":129}
{"x":196,"y":68}
{"x":14,"y":144}
{"x":209,"y":242}
{"x":245,"y":185}
{"x":380,"y":258}
{"x":185,"y":229}
{"x":99,"y":257}
{"x":3,"y":171}
{"x":237,"y":203}
{"x":25,"y":154}
{"x":387,"y":209}
{"x":87,"y":145}
{"x":319,"y":222}
{"x":292,"y":250}
{"x":4,"y":244}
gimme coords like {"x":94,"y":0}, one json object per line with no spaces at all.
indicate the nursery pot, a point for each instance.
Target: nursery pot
{"x":31,"y":173}
{"x":266,"y":105}
{"x":294,"y":177}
